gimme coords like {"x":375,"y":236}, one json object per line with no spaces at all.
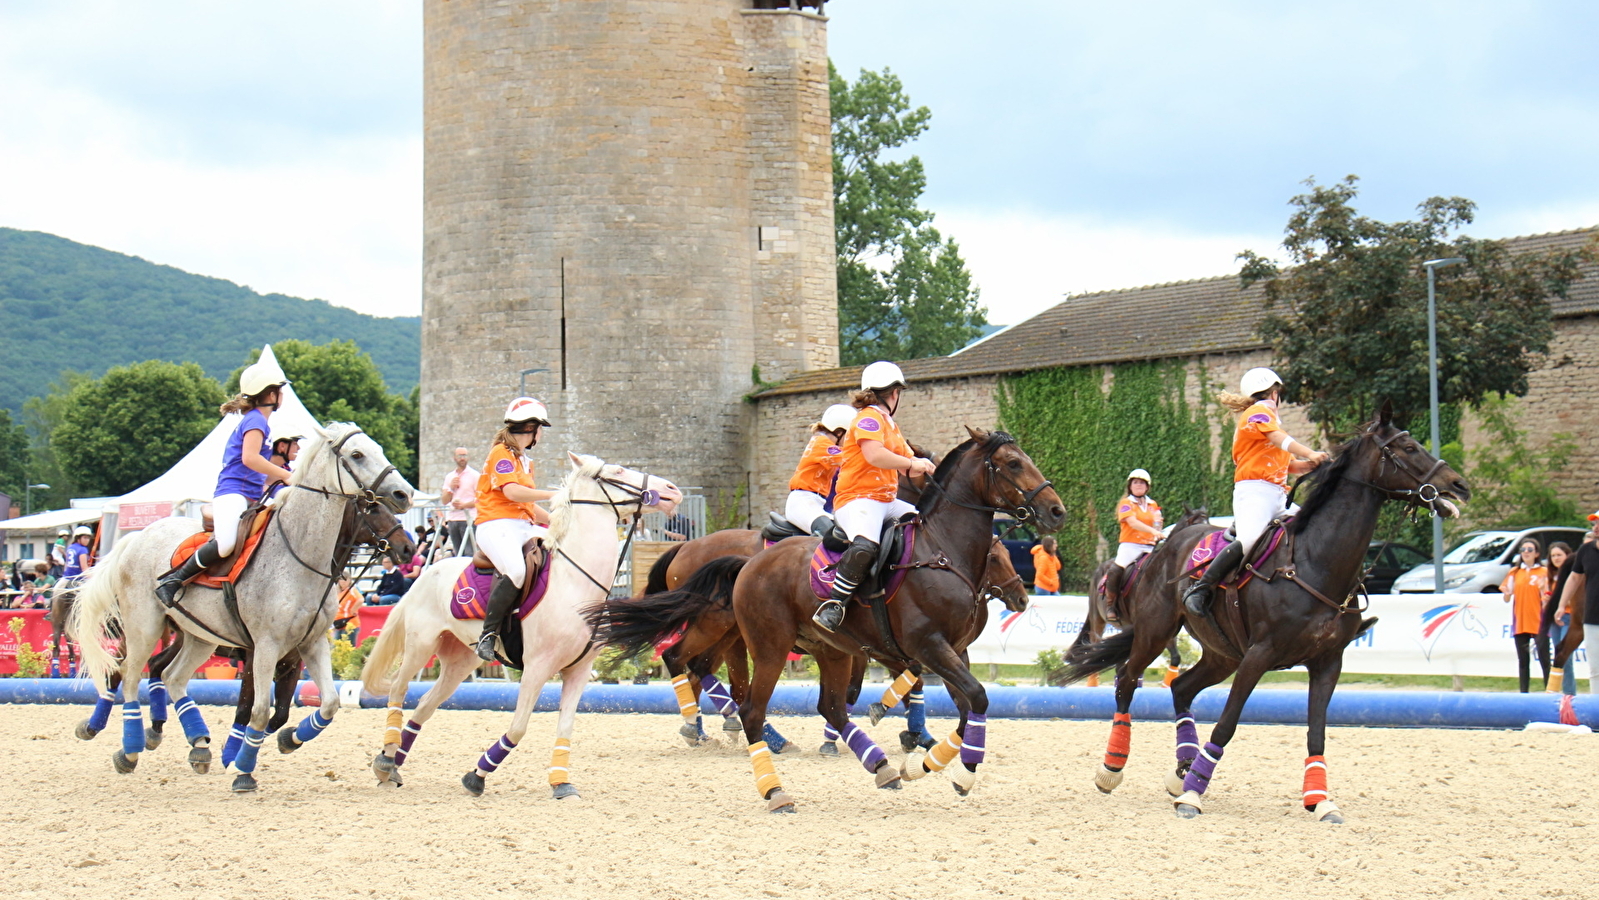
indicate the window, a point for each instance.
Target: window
{"x":24,"y":551}
{"x":1485,"y":546}
{"x":1408,"y":558}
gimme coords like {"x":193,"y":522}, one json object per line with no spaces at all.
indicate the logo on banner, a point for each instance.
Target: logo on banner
{"x":1009,"y":620}
{"x":1436,"y":621}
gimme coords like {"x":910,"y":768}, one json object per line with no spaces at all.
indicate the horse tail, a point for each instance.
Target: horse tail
{"x":656,"y":583}
{"x":383,"y":663}
{"x":1091,"y":659}
{"x":95,"y":614}
{"x":633,"y":624}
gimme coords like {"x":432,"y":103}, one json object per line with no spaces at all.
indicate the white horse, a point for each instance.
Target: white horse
{"x":284,"y":601}
{"x":583,"y":556}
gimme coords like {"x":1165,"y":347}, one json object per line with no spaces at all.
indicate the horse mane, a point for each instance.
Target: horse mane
{"x":1324,"y":481}
{"x":318,"y":441}
{"x":561,"y":502}
{"x":950,"y":463}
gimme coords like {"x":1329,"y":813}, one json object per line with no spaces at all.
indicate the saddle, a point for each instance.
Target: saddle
{"x":470,"y":598}
{"x":779,"y":528}
{"x":1212,"y":544}
{"x":252,"y":525}
{"x":894,"y":550}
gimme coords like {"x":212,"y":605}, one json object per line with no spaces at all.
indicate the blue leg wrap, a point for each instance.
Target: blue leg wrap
{"x":230,"y":747}
{"x":193,"y":723}
{"x":102,"y":712}
{"x":772,"y":738}
{"x":132,"y":729}
{"x":245,"y":761}
{"x":158,"y":701}
{"x":311,"y":726}
{"x":699,"y":725}
{"x":916,"y":714}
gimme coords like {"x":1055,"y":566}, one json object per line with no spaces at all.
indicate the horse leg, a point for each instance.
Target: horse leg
{"x":572,"y":681}
{"x":736,"y":656}
{"x":1255,"y":663}
{"x":263,"y":665}
{"x":538,"y":671}
{"x":318,"y":658}
{"x":835,"y":670}
{"x":397,"y":740}
{"x":1146,"y":646}
{"x":456,"y":662}
{"x":241,"y":714}
{"x":970,"y":739}
{"x":1174,"y":663}
{"x":688,"y":701}
{"x":100,"y":716}
{"x":178,"y":669}
{"x":1324,"y":674}
{"x":158,"y":693}
{"x":136,"y":650}
{"x":1208,"y":671}
{"x":284,"y":681}
{"x":769,"y":659}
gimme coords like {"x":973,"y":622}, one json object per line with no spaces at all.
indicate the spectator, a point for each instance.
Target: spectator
{"x":413,"y":566}
{"x":680,"y":528}
{"x":1553,"y":626}
{"x":347,"y":620}
{"x":58,"y":555}
{"x":1046,"y":568}
{"x":15,"y":578}
{"x":1583,"y":587}
{"x":459,"y":497}
{"x":391,"y":587}
{"x":1526,"y":588}
{"x":42,"y":577}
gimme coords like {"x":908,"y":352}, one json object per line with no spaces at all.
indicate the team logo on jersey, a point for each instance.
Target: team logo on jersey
{"x":869,"y":425}
{"x":1259,"y":418}
{"x":505,"y":467}
{"x":1125,"y":508}
{"x":834,"y":451}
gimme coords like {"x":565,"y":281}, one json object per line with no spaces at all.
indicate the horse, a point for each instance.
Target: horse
{"x":583,"y":552}
{"x":931,"y":619}
{"x":278,"y":605}
{"x":1300,"y":606}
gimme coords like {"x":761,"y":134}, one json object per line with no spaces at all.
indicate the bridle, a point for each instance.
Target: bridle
{"x":635,"y":497}
{"x":364,"y":492}
{"x":1424,"y":494}
{"x":1023,"y":511}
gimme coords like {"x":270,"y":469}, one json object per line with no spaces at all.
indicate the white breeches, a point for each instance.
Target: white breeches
{"x":501,"y":541}
{"x":865,"y":518}
{"x":225,"y":513}
{"x":1255,"y":504}
{"x":803,"y":508}
{"x":1127,"y":554}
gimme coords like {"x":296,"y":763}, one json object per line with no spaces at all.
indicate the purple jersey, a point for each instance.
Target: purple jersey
{"x":236,"y":477}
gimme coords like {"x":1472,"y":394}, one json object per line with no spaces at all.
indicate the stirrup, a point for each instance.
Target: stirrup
{"x":485,"y":645}
{"x":1197,"y":599}
{"x":830,"y":615}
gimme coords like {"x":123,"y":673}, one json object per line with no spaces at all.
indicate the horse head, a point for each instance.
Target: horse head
{"x":1004,"y":477}
{"x":1002,"y":583}
{"x":626,"y":491}
{"x":1398,"y":465}
{"x":375,"y":525}
{"x":342,"y":459}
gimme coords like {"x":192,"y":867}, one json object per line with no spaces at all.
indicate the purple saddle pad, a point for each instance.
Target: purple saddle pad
{"x":470,"y":597}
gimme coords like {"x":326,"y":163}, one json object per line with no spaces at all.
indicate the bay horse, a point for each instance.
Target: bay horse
{"x":279,"y":604}
{"x":583,"y":553}
{"x":931,"y":619}
{"x":1299,"y":607}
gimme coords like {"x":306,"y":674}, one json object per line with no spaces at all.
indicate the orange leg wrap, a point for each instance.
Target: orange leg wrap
{"x":943,"y":754}
{"x":1121,"y":738}
{"x":766,"y":780}
{"x":1171,"y":675}
{"x":1093,"y":680}
{"x":897,"y":691}
{"x":1315,"y":780}
{"x":391,"y":725}
{"x":560,"y":760}
{"x":686,"y":704}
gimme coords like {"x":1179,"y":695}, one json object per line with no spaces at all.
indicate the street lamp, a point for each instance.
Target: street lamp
{"x":1433,"y":265}
{"x":522,"y":391}
{"x":29,"y":495}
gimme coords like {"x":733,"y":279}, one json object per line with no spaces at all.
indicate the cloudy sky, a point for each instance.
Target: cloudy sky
{"x":1074,"y":146}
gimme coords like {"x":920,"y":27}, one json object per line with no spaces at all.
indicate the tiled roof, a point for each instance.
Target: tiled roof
{"x":1163,"y":321}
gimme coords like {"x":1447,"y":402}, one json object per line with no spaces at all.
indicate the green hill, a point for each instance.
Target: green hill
{"x":65,"y":305}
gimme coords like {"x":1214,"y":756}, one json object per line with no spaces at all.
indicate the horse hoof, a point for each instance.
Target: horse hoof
{"x":122,"y":763}
{"x":563,"y":791}
{"x":1188,"y":805}
{"x":244,"y":783}
{"x":732,"y":724}
{"x":1174,"y":783}
{"x":888,"y":777}
{"x":909,"y":740}
{"x":777,"y":746}
{"x":1107,"y":780}
{"x":828,"y":749}
{"x":287,"y":742}
{"x":152,"y":739}
{"x":693,"y":735}
{"x":200,"y":759}
{"x":963,"y":779}
{"x":395,"y":780}
{"x":1325,"y":811}
{"x":384,"y":767}
{"x":473,"y":782}
{"x":779,"y":802}
{"x":83,"y":732}
{"x":913,"y":767}
{"x":876,"y":711}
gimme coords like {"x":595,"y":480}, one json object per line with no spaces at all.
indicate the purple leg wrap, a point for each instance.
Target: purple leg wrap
{"x":407,"y":738}
{"x":1187,"y":739}
{"x":974,"y":741}
{"x":158,"y":701}
{"x":870,"y":755}
{"x":719,"y":695}
{"x":1198,"y":778}
{"x":829,"y":733}
{"x":492,"y":757}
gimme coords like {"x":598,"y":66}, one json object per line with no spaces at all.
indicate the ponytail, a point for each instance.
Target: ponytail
{"x":238,"y":403}
{"x":1238,"y":402}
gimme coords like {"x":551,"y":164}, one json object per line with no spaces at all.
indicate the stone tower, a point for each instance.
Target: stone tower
{"x":635,"y":195}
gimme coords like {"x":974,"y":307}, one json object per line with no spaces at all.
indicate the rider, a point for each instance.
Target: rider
{"x":868,"y":482}
{"x":1264,"y":455}
{"x":507,"y":516}
{"x":246,"y":469}
{"x":285,"y":449}
{"x":79,"y":556}
{"x":1140,"y":519}
{"x":818,"y":469}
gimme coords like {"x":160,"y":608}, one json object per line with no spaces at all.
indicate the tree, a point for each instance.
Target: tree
{"x":13,"y":456}
{"x":1349,"y":318}
{"x":130,"y":425}
{"x":903,"y":289}
{"x":41,"y":416}
{"x":1510,"y":480}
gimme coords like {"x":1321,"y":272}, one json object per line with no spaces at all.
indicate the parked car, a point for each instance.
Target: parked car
{"x":1019,"y":542}
{"x":1480,"y":562}
{"x":1386,"y":561}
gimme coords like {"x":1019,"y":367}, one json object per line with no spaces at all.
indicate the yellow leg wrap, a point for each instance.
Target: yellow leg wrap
{"x":897,"y":691}
{"x":766,"y":779}
{"x":945,"y":753}
{"x":686,"y":704}
{"x":391,"y":725}
{"x":560,"y":760}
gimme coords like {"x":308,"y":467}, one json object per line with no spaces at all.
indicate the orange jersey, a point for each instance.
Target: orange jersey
{"x":818,"y":466}
{"x":859,"y":478}
{"x":1046,"y":569}
{"x":502,"y":468}
{"x":1148,"y":513}
{"x":1256,"y":458}
{"x":349,"y":605}
{"x":1526,"y":589}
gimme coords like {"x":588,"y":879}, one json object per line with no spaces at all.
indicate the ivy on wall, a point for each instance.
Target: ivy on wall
{"x":1086,"y":427}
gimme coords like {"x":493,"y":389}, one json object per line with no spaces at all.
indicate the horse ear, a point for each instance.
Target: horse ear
{"x":321,"y":432}
{"x":577,"y":461}
{"x":977,"y":434}
{"x":1385,"y":415}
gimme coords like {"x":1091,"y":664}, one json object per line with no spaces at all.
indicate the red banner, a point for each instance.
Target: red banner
{"x":134,"y":516}
{"x":35,"y":633}
{"x":372,"y":619}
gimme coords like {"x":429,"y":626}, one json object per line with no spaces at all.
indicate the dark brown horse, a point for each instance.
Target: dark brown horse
{"x":930,"y":621}
{"x":1299,"y":608}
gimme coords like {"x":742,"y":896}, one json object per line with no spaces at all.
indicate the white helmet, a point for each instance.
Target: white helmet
{"x":1139,"y":473}
{"x":260,"y":376}
{"x":285,"y":433}
{"x":1257,"y":380}
{"x":880,"y":375}
{"x":82,"y":531}
{"x":838,"y":416}
{"x":526,"y":409}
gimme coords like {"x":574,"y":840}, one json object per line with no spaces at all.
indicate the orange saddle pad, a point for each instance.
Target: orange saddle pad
{"x":228,"y":570}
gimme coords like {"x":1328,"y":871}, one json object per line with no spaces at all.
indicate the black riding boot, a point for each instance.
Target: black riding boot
{"x":1197,"y":599}
{"x":1113,"y":591}
{"x":821,"y":526}
{"x":853,"y":567}
{"x":502,"y":596}
{"x":167,"y":588}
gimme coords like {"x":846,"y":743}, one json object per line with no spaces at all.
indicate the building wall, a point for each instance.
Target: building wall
{"x":598,"y":175}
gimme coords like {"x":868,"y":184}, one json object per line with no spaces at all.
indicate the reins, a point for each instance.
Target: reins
{"x":639,"y":497}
